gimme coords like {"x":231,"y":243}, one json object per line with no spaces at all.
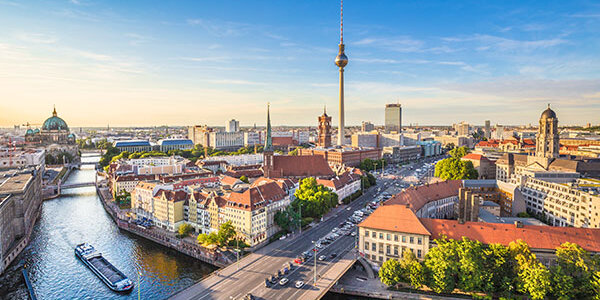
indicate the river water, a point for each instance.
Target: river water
{"x":77,"y":216}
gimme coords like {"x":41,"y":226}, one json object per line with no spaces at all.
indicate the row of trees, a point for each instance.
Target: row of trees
{"x":370,"y":164}
{"x":497,"y":270}
{"x":59,"y":158}
{"x":454,"y":168}
{"x":113,"y":154}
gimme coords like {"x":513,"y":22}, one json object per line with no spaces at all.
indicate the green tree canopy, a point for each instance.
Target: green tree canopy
{"x":455,"y":169}
{"x":412,"y":270}
{"x":459,"y":152}
{"x":442,"y":266}
{"x":574,"y":272}
{"x":533,"y":278}
{"x":314,"y":198}
{"x":226,"y":233}
{"x":185,"y":229}
{"x":390,"y":272}
{"x":243,"y":178}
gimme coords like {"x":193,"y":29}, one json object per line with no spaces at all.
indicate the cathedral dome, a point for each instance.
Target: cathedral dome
{"x":55,"y":123}
{"x":548,"y":113}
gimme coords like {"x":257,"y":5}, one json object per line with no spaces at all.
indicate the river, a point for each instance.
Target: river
{"x":78,"y":216}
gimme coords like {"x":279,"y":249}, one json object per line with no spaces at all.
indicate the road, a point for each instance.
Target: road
{"x":231,"y":283}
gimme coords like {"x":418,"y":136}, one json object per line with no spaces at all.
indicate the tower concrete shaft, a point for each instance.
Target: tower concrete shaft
{"x":340,"y":140}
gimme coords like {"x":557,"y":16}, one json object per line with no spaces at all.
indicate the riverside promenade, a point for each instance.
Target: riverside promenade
{"x":186,"y":246}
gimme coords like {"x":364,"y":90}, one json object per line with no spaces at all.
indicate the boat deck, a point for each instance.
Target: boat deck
{"x":107,"y":269}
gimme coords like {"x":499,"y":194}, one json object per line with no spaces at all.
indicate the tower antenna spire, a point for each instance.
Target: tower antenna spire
{"x":342,"y":22}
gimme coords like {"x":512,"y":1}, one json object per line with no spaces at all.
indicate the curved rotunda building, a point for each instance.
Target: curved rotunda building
{"x":54,"y":131}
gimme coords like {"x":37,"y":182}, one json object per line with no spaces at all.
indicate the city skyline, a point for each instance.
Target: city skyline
{"x":226,"y":60}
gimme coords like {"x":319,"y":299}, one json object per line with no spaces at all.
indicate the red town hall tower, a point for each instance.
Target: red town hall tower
{"x":324,"y":130}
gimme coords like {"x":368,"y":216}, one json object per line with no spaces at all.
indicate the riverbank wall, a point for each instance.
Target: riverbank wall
{"x":181,"y":245}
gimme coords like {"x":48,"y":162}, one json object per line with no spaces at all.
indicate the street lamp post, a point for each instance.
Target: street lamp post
{"x":315,"y":250}
{"x":139,"y":286}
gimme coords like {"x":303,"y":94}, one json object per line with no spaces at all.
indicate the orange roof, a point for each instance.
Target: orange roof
{"x":230,"y":181}
{"x":418,"y":196}
{"x":340,"y":181}
{"x":256,"y":197}
{"x":537,"y":237}
{"x":394,"y":218}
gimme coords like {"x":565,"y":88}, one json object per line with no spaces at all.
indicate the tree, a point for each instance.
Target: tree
{"x":244,"y":179}
{"x":470,"y":265}
{"x":282,"y":219}
{"x":412,"y":270}
{"x":533,"y":278}
{"x":455,"y":169}
{"x":499,"y":276}
{"x":315,"y":198}
{"x":441,"y":266}
{"x":574,"y":272}
{"x":596,"y":285}
{"x":185,"y":229}
{"x":390,"y":272}
{"x":226,"y":233}
{"x":293,"y":152}
{"x":459,"y":152}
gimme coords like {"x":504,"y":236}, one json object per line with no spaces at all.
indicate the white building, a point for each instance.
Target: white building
{"x":226,"y":140}
{"x":252,"y":138}
{"x":343,"y":185}
{"x":238,"y":160}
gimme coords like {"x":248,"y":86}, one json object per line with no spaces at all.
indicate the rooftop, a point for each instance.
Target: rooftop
{"x":417,"y":196}
{"x":394,"y":218}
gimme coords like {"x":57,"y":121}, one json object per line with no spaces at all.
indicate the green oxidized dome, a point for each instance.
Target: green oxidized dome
{"x":55,"y":123}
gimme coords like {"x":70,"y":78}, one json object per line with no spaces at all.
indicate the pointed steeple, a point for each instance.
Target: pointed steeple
{"x":54,"y":114}
{"x":268,"y":141}
{"x":325,"y":110}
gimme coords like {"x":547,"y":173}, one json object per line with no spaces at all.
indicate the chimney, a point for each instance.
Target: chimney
{"x":461,"y":221}
{"x":407,"y":205}
{"x":518,"y":224}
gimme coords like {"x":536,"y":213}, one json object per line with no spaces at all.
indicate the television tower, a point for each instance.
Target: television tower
{"x":341,"y":60}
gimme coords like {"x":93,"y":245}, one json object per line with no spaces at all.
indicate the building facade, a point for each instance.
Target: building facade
{"x":393,"y":117}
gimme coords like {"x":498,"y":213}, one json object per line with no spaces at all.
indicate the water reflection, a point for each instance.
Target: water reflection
{"x":78,"y":216}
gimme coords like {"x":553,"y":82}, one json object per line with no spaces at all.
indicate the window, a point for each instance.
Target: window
{"x":419,"y":240}
{"x":366,"y":246}
{"x":381,"y":235}
{"x":396,"y":250}
{"x":404,"y":239}
{"x":395,"y":237}
{"x":366,"y":233}
{"x":412,"y":240}
{"x":419,"y":253}
{"x":380,"y":247}
{"x":373,"y":247}
{"x":388,"y":250}
{"x":373,"y":234}
{"x":388,"y":237}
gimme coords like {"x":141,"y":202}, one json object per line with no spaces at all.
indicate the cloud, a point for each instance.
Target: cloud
{"x":37,"y":38}
{"x":137,"y":39}
{"x":236,"y":82}
{"x":220,"y":28}
{"x":206,"y":59}
{"x":76,"y":2}
{"x":488,"y":42}
{"x":399,"y":44}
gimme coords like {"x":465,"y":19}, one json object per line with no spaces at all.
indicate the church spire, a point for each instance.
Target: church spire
{"x":54,"y":114}
{"x":268,"y":141}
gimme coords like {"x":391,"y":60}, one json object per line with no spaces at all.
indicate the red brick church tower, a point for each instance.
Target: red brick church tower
{"x":324,"y":130}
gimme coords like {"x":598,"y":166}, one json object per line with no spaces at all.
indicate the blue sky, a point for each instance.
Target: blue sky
{"x":203,"y":62}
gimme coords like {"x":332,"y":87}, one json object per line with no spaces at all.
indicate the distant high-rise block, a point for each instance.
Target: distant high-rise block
{"x":367,"y":126}
{"x":232,"y":126}
{"x":488,"y":130}
{"x":393,"y":117}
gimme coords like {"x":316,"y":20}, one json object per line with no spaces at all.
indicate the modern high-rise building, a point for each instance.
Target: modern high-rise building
{"x":324,"y":139}
{"x":341,"y":60}
{"x":463,"y":129}
{"x":487,"y":130}
{"x":232,"y":126}
{"x":393,"y":117}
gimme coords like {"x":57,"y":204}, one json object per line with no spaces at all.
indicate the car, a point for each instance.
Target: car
{"x":319,"y":246}
{"x":286,"y":271}
{"x":299,"y":260}
{"x":248,"y":297}
{"x":282,"y":238}
{"x":273,"y":279}
{"x":333,"y":255}
{"x":353,"y":233}
{"x":349,"y":208}
{"x":283,"y":281}
{"x":267,"y":282}
{"x":322,"y":257}
{"x":335,"y":229}
{"x":299,"y":284}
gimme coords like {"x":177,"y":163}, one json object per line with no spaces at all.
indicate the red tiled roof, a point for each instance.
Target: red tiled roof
{"x":300,"y":166}
{"x":488,"y":143}
{"x":394,"y":218}
{"x":340,"y":181}
{"x":173,"y":196}
{"x":250,"y":173}
{"x":256,"y":197}
{"x":418,"y":196}
{"x":230,"y":181}
{"x":537,"y":237}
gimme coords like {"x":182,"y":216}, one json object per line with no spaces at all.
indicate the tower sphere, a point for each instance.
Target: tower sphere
{"x":341,"y":60}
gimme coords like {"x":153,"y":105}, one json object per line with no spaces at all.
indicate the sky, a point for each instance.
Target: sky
{"x":145,"y":63}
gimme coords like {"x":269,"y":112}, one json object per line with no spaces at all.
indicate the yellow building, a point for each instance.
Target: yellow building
{"x":168,"y":209}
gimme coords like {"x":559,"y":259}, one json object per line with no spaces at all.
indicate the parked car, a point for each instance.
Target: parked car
{"x":283,"y":281}
{"x":322,"y":257}
{"x":299,"y":284}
